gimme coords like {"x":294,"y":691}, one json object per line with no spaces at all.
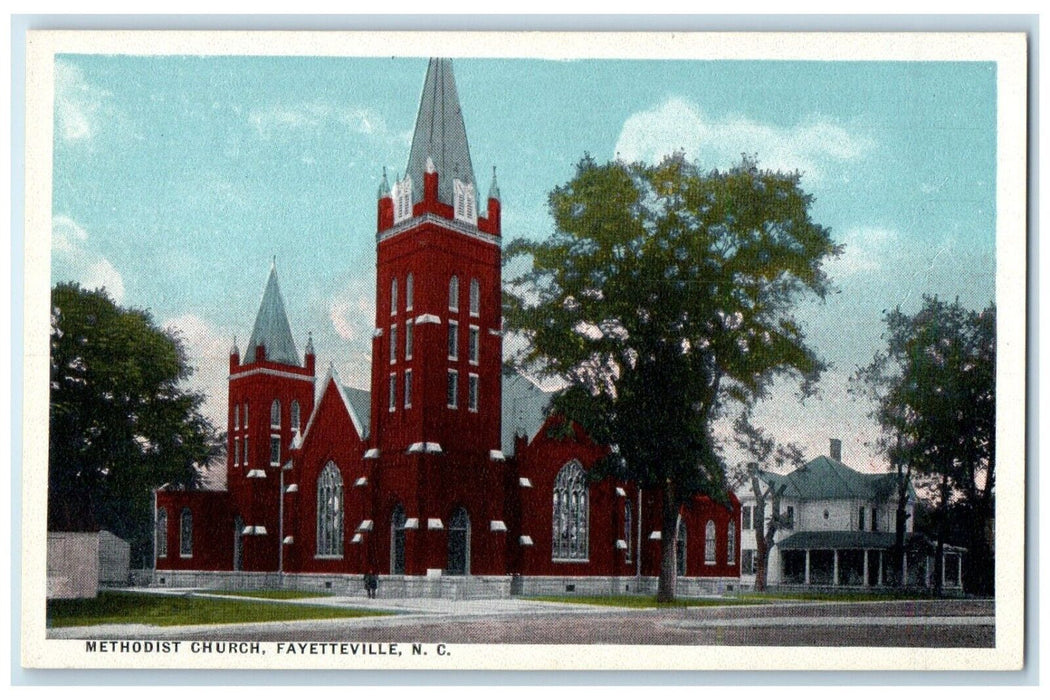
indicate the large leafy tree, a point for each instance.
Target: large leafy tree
{"x":122,"y":422}
{"x":665,"y":292}
{"x":933,"y":387}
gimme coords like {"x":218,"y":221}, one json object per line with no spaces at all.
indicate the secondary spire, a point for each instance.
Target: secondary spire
{"x":272,"y":329}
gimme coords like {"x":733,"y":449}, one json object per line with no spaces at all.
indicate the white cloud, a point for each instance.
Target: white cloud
{"x":810,"y":146}
{"x":312,"y":115}
{"x":867,"y":250}
{"x":73,"y":260}
{"x":79,"y":106}
{"x":352,"y":310}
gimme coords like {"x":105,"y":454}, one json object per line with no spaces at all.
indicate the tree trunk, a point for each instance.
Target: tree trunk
{"x":901,"y":524}
{"x":665,"y":591}
{"x":942,"y":531}
{"x":761,"y":551}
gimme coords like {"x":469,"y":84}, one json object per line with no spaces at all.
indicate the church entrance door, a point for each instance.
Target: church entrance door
{"x":459,"y":543}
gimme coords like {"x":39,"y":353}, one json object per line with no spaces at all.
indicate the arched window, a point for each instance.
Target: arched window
{"x":295,"y":415}
{"x":186,"y":533}
{"x":330,"y":512}
{"x":275,"y":414}
{"x":459,"y":543}
{"x":627,"y":528}
{"x":453,"y":294}
{"x":409,"y":292}
{"x":571,"y":513}
{"x":397,"y":540}
{"x":681,"y":546}
{"x":393,"y":296}
{"x":710,"y":553}
{"x":730,"y":542}
{"x":162,"y":532}
{"x":475,"y":297}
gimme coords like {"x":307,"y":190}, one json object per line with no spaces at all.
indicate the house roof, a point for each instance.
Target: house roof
{"x":839,"y":539}
{"x":440,"y":134}
{"x":824,"y":478}
{"x":272,"y":330}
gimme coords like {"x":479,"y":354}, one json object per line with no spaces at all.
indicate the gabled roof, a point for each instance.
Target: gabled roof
{"x":440,"y":134}
{"x":824,"y":478}
{"x":524,"y":409}
{"x":272,"y":330}
{"x":355,"y":401}
{"x":360,"y":402}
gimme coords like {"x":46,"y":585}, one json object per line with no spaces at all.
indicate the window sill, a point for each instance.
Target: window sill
{"x":570,"y":561}
{"x":333,"y":557}
{"x":185,"y":556}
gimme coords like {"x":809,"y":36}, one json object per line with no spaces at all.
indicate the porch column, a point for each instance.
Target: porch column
{"x":959,"y":570}
{"x":880,"y":568}
{"x":835,"y":568}
{"x":904,"y":570}
{"x":866,"y":553}
{"x":807,"y":568}
{"x":929,"y":572}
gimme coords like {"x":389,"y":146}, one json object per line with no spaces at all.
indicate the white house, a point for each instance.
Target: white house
{"x":840,"y":530}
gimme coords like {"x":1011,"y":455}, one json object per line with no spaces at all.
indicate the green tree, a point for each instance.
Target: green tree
{"x":121,"y":421}
{"x":934,"y":392}
{"x":664,"y":293}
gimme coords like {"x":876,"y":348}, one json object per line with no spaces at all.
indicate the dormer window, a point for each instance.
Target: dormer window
{"x":401,"y":193}
{"x":465,"y":202}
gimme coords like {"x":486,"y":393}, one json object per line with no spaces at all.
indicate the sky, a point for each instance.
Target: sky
{"x":178,"y":179}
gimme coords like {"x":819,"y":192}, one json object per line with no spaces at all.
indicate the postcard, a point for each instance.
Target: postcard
{"x":524,"y":351}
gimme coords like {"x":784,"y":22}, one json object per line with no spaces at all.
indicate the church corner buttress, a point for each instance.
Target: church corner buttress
{"x":443,"y":466}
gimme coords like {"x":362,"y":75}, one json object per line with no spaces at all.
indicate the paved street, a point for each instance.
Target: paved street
{"x":927,"y":623}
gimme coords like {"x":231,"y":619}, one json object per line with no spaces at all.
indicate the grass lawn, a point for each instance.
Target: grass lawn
{"x":271,"y":595}
{"x":166,"y":610}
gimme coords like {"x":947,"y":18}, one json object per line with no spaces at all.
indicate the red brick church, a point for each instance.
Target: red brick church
{"x":445,"y":476}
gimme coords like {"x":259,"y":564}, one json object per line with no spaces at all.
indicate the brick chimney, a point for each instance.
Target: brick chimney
{"x":836,"y":450}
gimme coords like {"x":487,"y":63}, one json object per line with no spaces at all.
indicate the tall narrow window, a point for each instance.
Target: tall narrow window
{"x":409,"y":292}
{"x":730,"y":543}
{"x":453,"y":388}
{"x":408,"y":388}
{"x":789,"y":518}
{"x":874,"y":519}
{"x":186,"y":533}
{"x":473,"y":341}
{"x":745,"y":518}
{"x":475,"y":297}
{"x":393,"y":296}
{"x":459,"y":543}
{"x":627,"y":537}
{"x":162,"y":532}
{"x":472,"y":392}
{"x":245,"y":415}
{"x":393,"y":392}
{"x":681,"y":546}
{"x":295,"y":415}
{"x":453,"y":294}
{"x":860,"y":522}
{"x":397,"y":540}
{"x":571,"y":513}
{"x":330,"y":512}
{"x":275,"y":414}
{"x":236,"y":452}
{"x":453,"y":340}
{"x":245,"y":450}
{"x":275,"y":450}
{"x":237,"y":417}
{"x":393,"y":344}
{"x":409,"y":332}
{"x":710,"y":543}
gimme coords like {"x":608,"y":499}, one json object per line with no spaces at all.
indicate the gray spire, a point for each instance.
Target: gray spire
{"x":494,"y":187}
{"x":440,"y":134}
{"x":272,"y":330}
{"x":384,"y":186}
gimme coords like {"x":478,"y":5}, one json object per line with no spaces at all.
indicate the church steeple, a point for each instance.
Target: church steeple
{"x":440,"y":135}
{"x":272,"y":330}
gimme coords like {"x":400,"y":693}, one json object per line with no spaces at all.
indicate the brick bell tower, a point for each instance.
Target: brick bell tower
{"x":437,"y":354}
{"x":271,"y":395}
